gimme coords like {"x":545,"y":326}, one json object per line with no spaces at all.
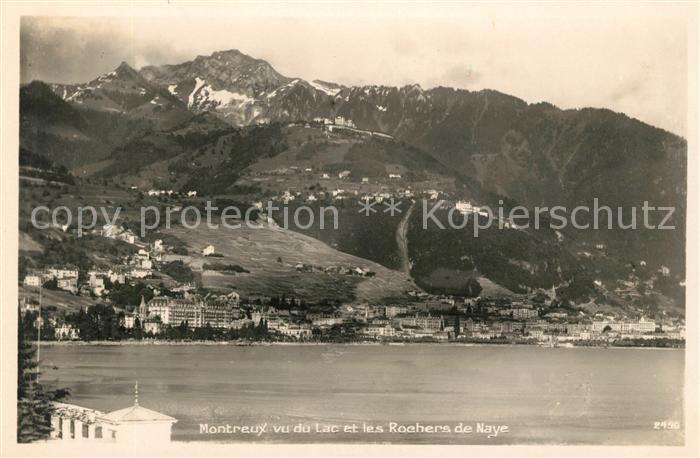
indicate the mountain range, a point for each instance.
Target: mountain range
{"x":156,"y":122}
{"x":532,"y":153}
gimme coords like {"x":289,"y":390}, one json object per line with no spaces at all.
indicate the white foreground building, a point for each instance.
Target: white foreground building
{"x":132,"y":425}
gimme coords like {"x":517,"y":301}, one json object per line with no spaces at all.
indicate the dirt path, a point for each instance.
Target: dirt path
{"x":402,"y":240}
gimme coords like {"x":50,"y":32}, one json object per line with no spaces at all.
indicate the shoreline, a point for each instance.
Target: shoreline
{"x":211,"y":343}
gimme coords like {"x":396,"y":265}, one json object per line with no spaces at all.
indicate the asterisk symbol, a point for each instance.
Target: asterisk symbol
{"x":392,"y":207}
{"x":367,"y":207}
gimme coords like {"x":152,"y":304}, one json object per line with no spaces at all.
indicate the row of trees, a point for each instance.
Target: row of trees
{"x":184,"y":332}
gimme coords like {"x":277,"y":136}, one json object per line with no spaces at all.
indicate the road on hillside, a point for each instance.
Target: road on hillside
{"x":402,"y":240}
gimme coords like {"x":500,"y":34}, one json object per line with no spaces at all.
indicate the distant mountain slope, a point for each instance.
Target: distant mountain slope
{"x":69,"y":135}
{"x":123,"y":90}
{"x":230,"y":70}
{"x":534,"y":154}
{"x":206,"y":123}
{"x":241,"y":89}
{"x":531,"y":153}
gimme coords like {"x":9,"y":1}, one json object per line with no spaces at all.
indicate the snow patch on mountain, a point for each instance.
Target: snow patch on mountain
{"x":203,"y":95}
{"x":78,"y":94}
{"x":282,"y":89}
{"x":60,"y":90}
{"x":324,"y":88}
{"x":198,"y":83}
{"x":224,"y":97}
{"x":106,"y":78}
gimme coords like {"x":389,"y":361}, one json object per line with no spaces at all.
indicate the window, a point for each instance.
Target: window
{"x":85,"y":431}
{"x":98,"y":432}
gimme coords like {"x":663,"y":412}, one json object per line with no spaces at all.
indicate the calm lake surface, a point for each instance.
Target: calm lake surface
{"x":543,"y":395}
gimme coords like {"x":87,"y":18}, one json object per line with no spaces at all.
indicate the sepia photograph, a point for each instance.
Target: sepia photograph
{"x":261,"y":228}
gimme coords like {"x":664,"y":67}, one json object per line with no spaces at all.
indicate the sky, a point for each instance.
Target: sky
{"x":628,"y":58}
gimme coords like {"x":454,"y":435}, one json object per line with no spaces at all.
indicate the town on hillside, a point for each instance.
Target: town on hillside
{"x":128,"y":308}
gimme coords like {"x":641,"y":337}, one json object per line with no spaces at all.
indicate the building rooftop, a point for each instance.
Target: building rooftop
{"x":136,"y":413}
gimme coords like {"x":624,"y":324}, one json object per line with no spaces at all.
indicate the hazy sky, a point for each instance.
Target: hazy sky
{"x":627,"y":58}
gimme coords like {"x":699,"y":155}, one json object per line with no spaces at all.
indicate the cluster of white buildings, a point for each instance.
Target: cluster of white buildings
{"x":338,"y":194}
{"x":66,"y":277}
{"x":466,"y":207}
{"x":140,"y":265}
{"x":289,"y":196}
{"x":116,"y":232}
{"x":137,"y":266}
{"x":337,"y":121}
{"x":546,"y":330}
{"x":169,"y":193}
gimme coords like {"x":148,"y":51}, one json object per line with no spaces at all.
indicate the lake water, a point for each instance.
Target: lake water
{"x":542,"y":395}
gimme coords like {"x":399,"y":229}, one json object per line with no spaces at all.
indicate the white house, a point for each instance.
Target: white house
{"x":97,"y":284}
{"x":463,"y":207}
{"x":208,"y":250}
{"x":341,"y":121}
{"x":68,"y":284}
{"x":134,"y":425}
{"x":32,"y":280}
{"x":153,"y":327}
{"x":138,"y":272}
{"x":66,"y":332}
{"x":129,"y":321}
{"x":110,"y":231}
{"x":61,"y":272}
{"x":128,"y":237}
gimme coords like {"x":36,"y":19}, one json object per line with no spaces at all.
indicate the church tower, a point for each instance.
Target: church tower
{"x":143,"y":309}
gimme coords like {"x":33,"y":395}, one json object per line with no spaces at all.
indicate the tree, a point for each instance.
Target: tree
{"x":472,"y":288}
{"x":99,"y":322}
{"x":179,"y":271}
{"x":34,"y":401}
{"x":127,"y":294}
{"x":261,"y":330}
